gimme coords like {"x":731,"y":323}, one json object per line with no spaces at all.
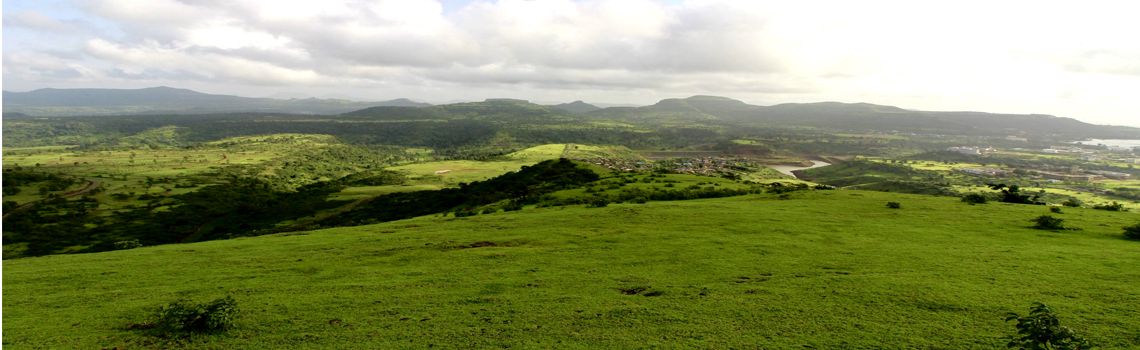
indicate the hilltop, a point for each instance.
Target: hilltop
{"x":73,"y":102}
{"x":823,"y":269}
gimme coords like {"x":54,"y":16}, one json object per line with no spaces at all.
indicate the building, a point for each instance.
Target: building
{"x":1111,"y":174}
{"x":1080,"y":177}
{"x":1015,"y":138}
{"x":985,"y":171}
{"x":971,"y":150}
{"x":1050,"y":150}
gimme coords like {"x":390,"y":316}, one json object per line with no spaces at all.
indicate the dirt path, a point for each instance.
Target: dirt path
{"x":93,"y":184}
{"x":199,"y":228}
{"x":341,"y":210}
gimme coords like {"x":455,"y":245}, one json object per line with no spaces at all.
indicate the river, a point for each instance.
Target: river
{"x":788,"y":169}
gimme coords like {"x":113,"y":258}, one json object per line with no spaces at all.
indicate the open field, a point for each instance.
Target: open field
{"x":456,"y":171}
{"x":823,"y":270}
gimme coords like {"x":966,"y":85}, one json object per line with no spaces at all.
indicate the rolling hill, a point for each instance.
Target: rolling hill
{"x":71,"y":102}
{"x":863,"y":117}
{"x":821,"y":269}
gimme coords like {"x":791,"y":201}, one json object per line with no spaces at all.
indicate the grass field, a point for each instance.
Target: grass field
{"x":822,"y":270}
{"x":456,"y":171}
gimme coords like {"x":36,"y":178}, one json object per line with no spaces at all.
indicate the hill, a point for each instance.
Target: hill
{"x":823,"y":269}
{"x":577,"y":107}
{"x":861,"y":117}
{"x":66,"y":102}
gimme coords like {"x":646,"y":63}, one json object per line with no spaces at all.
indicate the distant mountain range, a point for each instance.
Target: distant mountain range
{"x":698,"y":109}
{"x":76,"y":102}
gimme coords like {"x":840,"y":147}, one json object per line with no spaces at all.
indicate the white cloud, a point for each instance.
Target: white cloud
{"x":1012,"y":56}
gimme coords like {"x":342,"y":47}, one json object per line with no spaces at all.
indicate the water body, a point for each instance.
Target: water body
{"x":1118,"y":143}
{"x":788,"y":169}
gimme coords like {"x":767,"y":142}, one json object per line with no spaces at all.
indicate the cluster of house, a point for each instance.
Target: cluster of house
{"x":972,"y":150}
{"x":1074,"y":174}
{"x":708,"y":165}
{"x":620,"y":164}
{"x":985,"y":171}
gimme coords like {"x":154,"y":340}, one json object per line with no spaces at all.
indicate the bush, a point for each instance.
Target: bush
{"x":128,"y":244}
{"x":1133,"y":231}
{"x":975,"y":198}
{"x":894,"y":205}
{"x":641,"y":200}
{"x":599,"y":203}
{"x":1055,"y":210}
{"x":490,"y":211}
{"x":183,"y":315}
{"x":1048,"y":222}
{"x":1073,"y":203}
{"x":1041,"y":329}
{"x":1111,"y":207}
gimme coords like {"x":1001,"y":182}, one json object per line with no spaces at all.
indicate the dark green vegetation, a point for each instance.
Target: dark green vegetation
{"x":188,"y":316}
{"x":1133,"y":231}
{"x":825,"y":269}
{"x":1041,"y":329}
{"x":83,"y":102}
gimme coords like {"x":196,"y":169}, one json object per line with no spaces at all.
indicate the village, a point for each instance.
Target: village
{"x":708,"y":166}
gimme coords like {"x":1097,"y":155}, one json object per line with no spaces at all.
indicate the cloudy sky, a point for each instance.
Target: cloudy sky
{"x":1080,"y":61}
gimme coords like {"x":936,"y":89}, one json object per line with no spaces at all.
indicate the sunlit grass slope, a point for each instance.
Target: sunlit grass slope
{"x":822,"y":270}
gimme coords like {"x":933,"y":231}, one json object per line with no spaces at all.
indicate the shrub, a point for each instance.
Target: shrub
{"x":1072,"y":203}
{"x":599,"y":203}
{"x":1048,"y":222}
{"x":1133,"y":231}
{"x":894,"y":205}
{"x":128,"y":244}
{"x":641,"y":200}
{"x":1110,"y":207}
{"x":1041,"y":329}
{"x":975,"y":198}
{"x":1055,"y":210}
{"x":183,"y":315}
{"x":490,"y":211}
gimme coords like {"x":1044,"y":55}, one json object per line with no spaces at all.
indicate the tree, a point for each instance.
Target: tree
{"x":1012,"y":194}
{"x":1048,"y":222}
{"x":1042,"y":330}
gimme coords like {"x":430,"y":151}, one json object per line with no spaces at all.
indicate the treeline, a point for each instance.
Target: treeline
{"x":18,"y":176}
{"x":516,"y":187}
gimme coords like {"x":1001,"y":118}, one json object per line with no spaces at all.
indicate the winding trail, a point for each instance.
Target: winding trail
{"x":93,"y":184}
{"x":341,"y":210}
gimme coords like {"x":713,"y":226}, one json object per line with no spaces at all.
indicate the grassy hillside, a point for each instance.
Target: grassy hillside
{"x":823,"y":270}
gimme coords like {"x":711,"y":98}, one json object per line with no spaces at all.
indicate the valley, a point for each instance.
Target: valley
{"x":693,"y":223}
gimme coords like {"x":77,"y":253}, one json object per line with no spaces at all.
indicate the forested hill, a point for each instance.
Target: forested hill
{"x":72,"y":102}
{"x":861,"y":116}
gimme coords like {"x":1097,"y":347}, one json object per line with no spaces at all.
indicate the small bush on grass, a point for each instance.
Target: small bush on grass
{"x":1072,"y":203}
{"x":1048,"y":222}
{"x":1041,"y":329}
{"x":1055,"y":210}
{"x":128,"y":244}
{"x":894,"y":205}
{"x":187,"y":316}
{"x":1133,"y":231}
{"x":1111,"y":207}
{"x":975,"y":198}
{"x":599,"y":203}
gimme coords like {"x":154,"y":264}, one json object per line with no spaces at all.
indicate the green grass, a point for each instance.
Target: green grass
{"x":825,"y":270}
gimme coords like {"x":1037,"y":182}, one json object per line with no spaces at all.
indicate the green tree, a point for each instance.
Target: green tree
{"x":1048,"y":222}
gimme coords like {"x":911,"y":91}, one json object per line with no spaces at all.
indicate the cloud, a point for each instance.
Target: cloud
{"x":35,"y":20}
{"x":972,"y":52}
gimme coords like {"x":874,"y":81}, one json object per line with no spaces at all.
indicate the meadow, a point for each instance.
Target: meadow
{"x":811,"y":269}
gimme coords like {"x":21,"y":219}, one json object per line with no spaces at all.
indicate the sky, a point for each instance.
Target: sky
{"x":1040,"y":57}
